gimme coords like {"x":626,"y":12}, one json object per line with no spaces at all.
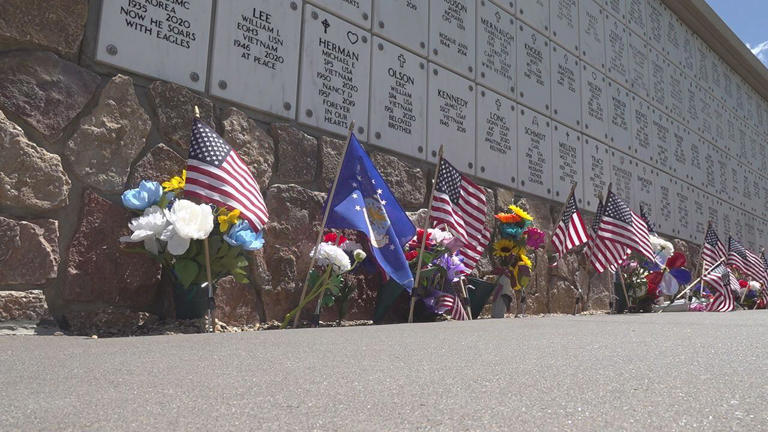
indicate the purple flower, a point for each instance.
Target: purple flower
{"x":453,"y":265}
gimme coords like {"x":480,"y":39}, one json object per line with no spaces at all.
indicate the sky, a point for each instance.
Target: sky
{"x":747,"y":19}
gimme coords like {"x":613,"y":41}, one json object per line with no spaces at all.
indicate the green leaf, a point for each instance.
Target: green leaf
{"x":186,"y":270}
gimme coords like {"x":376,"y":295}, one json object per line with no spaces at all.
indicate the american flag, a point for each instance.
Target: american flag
{"x":646,"y":219}
{"x":723,"y":283}
{"x":571,"y":231}
{"x":745,"y":261}
{"x":713,"y":250}
{"x":621,"y":225}
{"x":604,"y":254}
{"x":450,"y":303}
{"x":216,"y":174}
{"x":460,"y":205}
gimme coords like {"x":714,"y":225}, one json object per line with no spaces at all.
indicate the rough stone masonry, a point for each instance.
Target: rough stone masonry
{"x":74,"y":134}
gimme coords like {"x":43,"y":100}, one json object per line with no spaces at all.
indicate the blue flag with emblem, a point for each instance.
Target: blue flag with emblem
{"x":363,"y":202}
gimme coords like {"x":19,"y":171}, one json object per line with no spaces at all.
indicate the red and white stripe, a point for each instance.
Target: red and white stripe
{"x":465,"y":219}
{"x":571,"y":231}
{"x":231,"y":185}
{"x":635,"y":236}
{"x":722,"y":297}
{"x":450,"y":303}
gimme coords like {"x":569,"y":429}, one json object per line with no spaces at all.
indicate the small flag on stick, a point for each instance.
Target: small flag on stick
{"x":621,"y":225}
{"x":571,"y":231}
{"x":604,"y":254}
{"x":460,"y":204}
{"x":217,"y":175}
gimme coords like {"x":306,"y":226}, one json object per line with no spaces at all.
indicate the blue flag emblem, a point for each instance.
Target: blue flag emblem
{"x":363,"y":202}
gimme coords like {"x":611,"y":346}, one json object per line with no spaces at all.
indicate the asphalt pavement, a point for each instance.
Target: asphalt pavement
{"x":670,"y":371}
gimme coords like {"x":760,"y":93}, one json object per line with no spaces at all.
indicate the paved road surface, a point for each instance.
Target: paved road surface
{"x":674,"y":371}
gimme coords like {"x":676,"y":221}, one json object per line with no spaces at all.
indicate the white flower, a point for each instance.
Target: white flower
{"x":188,"y":221}
{"x":754,"y":286}
{"x":147,"y":228}
{"x":359,"y":255}
{"x":439,"y":236}
{"x":332,"y":255}
{"x":663,"y":248}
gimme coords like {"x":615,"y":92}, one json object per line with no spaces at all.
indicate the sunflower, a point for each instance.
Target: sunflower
{"x":508,"y":217}
{"x":520,"y":212}
{"x":503,"y":247}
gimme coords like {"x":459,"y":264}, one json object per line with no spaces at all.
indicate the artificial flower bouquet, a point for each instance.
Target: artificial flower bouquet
{"x":173,"y":229}
{"x":441,"y":265}
{"x":515,"y":238}
{"x":334,"y":256}
{"x":647,"y":281}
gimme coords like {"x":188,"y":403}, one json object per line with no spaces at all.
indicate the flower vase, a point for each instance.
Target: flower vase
{"x":190,"y":302}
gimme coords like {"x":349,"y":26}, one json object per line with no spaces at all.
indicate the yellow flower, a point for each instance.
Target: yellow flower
{"x":520,"y":212}
{"x":526,"y":261}
{"x":228,"y":218}
{"x":503,"y":247}
{"x":176,"y":183}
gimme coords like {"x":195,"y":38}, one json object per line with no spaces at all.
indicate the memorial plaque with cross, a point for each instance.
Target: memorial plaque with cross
{"x":616,"y":40}
{"x":641,"y":144}
{"x":567,"y":155}
{"x":451,"y":118}
{"x":597,"y":171}
{"x":638,"y":67}
{"x":619,"y":117}
{"x":566,"y":87}
{"x":335,"y":66}
{"x":594,"y":103}
{"x":398,"y":100}
{"x":533,"y":69}
{"x":497,"y":152}
{"x":496,"y":51}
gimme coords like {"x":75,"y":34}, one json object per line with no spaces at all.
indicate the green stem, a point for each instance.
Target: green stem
{"x":316,"y":290}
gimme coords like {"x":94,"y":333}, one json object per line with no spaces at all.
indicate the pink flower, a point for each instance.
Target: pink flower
{"x":534,"y":238}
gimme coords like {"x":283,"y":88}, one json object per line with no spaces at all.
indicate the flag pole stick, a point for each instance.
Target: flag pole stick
{"x":468,"y":307}
{"x":573,"y":188}
{"x":316,"y":316}
{"x":211,"y":301}
{"x":621,"y":275}
{"x":424,"y":236}
{"x":322,"y":225}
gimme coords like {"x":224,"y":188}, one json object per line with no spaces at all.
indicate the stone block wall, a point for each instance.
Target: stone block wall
{"x":74,"y":134}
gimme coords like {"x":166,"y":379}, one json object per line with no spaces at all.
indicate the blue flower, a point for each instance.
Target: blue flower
{"x":510,"y":230}
{"x":147,"y":194}
{"x":242,"y":235}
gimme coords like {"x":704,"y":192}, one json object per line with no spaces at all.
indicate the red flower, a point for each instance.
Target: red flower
{"x":410,"y":256}
{"x":743,"y":283}
{"x":416,"y":242}
{"x":331,"y":238}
